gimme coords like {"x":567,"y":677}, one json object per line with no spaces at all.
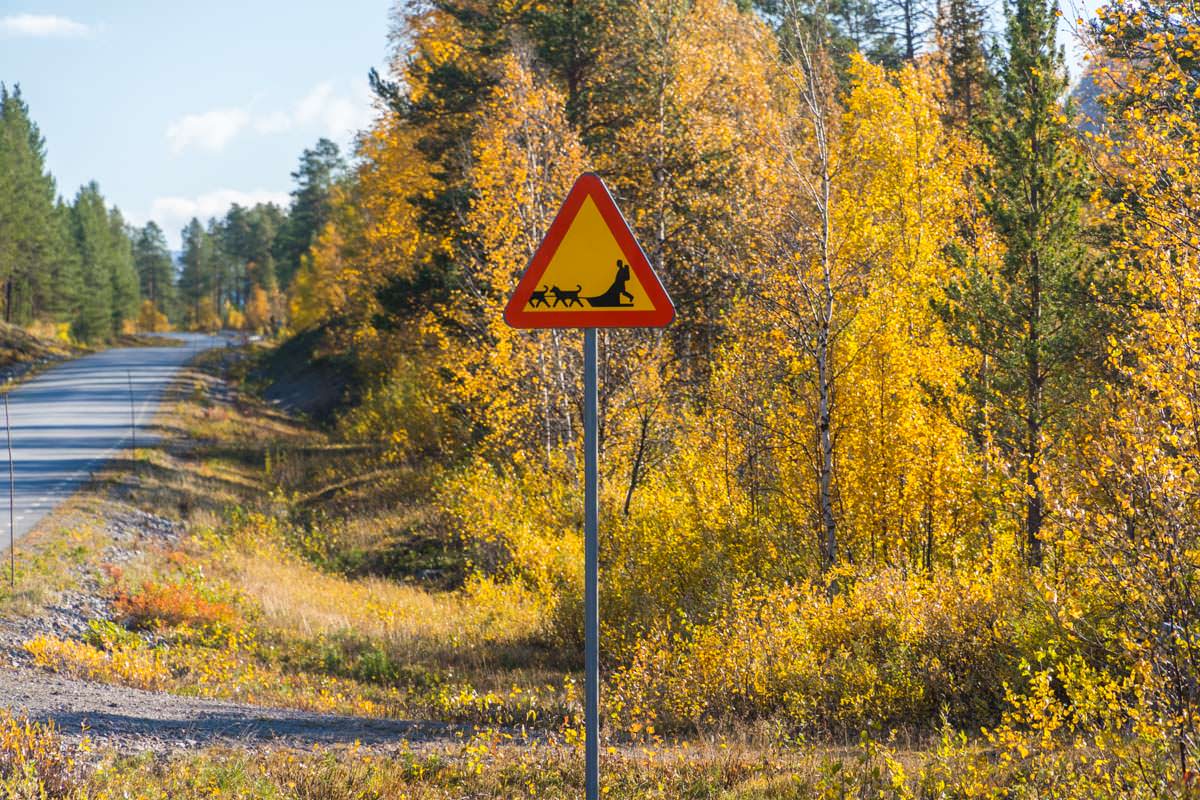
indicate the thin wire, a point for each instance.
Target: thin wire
{"x":12,"y":536}
{"x":132,"y":417}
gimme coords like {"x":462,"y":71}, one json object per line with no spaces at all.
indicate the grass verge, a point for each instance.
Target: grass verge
{"x":297,"y":583}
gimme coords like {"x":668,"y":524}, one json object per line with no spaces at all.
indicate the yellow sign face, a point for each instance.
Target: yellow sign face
{"x":585,"y":267}
{"x":589,"y":271}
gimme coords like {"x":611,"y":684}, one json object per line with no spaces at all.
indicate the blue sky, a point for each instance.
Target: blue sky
{"x":178,"y":109}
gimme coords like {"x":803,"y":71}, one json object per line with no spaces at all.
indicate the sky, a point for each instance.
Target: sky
{"x":178,"y":109}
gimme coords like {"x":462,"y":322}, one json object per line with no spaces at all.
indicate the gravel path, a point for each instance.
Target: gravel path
{"x":133,"y":719}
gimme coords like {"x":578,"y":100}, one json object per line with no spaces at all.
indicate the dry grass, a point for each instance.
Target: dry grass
{"x":54,"y":557}
{"x":491,"y":765}
{"x":279,"y":595}
{"x":297,"y":599}
{"x":37,"y":342}
{"x":488,"y":767}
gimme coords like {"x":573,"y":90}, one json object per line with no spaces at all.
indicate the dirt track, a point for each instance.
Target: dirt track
{"x":132,"y":719}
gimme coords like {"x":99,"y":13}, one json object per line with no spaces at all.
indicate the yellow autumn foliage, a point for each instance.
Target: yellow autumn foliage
{"x":805,"y":514}
{"x":889,"y":648}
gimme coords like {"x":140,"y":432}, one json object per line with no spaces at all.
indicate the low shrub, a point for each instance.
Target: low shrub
{"x":892,"y":650}
{"x":157,"y":605}
{"x":108,"y":635}
{"x":36,"y":762}
{"x":405,"y":414}
{"x":128,"y":664}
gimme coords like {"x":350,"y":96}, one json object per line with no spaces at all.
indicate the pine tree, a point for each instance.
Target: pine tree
{"x":66,"y":278}
{"x":907,"y":24}
{"x":1032,"y":316}
{"x":222,"y":267}
{"x":839,"y":27}
{"x":247,"y":238}
{"x":266,"y":222}
{"x":155,"y":268}
{"x":123,"y":273}
{"x":235,"y":243}
{"x":319,"y":168}
{"x":195,"y":278}
{"x":568,"y":37}
{"x":963,"y":49}
{"x":94,"y":241}
{"x":27,"y":217}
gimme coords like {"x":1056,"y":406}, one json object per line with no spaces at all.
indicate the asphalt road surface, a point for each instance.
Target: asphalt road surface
{"x":70,"y":419}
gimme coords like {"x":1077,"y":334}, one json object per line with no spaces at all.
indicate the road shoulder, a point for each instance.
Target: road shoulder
{"x":135,"y":512}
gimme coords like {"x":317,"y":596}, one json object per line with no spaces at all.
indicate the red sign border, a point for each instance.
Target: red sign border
{"x":589,"y":185}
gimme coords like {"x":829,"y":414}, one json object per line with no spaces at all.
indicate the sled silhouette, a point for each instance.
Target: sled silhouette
{"x":612,"y":298}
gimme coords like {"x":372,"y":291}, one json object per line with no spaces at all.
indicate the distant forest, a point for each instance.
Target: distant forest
{"x":78,"y":269}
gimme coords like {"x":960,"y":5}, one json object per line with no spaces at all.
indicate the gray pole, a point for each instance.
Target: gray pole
{"x":12,"y":541}
{"x":132,"y":418}
{"x":591,"y":605}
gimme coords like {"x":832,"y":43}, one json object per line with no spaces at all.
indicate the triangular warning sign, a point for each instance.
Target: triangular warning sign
{"x":589,"y":271}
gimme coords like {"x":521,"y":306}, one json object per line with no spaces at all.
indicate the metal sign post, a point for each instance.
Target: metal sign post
{"x":591,"y":570}
{"x":589,"y":246}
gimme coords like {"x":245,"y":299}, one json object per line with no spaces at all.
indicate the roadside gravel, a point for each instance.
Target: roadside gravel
{"x":135,"y":720}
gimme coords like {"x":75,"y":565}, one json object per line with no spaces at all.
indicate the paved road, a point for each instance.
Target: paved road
{"x":72,"y":418}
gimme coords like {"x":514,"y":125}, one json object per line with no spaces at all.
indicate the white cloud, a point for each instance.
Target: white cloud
{"x":211,"y":204}
{"x":314,"y":105}
{"x":41,"y":25}
{"x":211,"y":130}
{"x":323,"y":110}
{"x":334,"y":114}
{"x":275,"y":122}
{"x":173,"y":212}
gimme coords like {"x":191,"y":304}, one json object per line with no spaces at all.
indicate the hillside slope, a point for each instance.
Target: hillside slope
{"x":19,"y":348}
